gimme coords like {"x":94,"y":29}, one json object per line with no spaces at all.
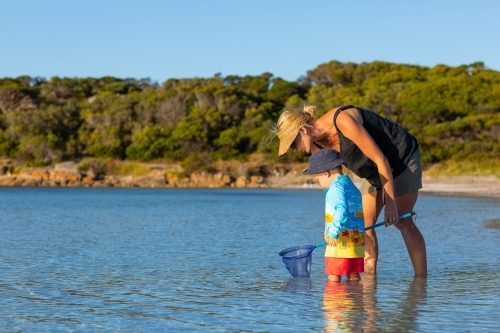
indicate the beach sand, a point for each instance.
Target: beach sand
{"x":462,"y":185}
{"x":282,"y":176}
{"x":442,"y":185}
{"x":289,"y":175}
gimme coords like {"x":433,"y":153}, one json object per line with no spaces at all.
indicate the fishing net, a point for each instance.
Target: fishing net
{"x":298,"y":260}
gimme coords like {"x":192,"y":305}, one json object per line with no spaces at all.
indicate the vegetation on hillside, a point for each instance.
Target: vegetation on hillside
{"x":453,"y":111}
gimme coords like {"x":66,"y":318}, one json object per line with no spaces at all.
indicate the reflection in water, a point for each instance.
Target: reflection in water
{"x":409,"y":309}
{"x":352,"y":307}
{"x":344,"y":306}
{"x":298,"y":284}
{"x":121,"y":260}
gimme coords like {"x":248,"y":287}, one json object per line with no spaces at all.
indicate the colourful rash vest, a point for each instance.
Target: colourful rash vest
{"x":344,"y":219}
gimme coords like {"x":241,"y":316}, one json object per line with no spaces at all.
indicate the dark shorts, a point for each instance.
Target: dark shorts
{"x":410,"y":180}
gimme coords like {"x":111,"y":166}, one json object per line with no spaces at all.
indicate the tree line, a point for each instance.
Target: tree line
{"x":453,"y":111}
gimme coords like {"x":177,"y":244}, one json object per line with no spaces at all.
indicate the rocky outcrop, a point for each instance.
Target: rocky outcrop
{"x":66,"y":174}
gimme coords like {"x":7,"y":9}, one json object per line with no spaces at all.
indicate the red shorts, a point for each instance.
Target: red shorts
{"x":344,"y":266}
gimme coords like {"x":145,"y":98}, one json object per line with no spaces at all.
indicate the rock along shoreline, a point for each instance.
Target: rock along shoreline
{"x":66,"y":174}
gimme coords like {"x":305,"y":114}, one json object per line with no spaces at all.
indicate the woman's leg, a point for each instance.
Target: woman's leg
{"x":372,"y":205}
{"x":415,"y":243}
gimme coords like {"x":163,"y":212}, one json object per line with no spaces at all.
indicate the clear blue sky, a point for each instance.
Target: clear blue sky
{"x":162,"y":39}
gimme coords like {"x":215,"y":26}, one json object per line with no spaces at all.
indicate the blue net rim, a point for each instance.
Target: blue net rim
{"x":287,"y":255}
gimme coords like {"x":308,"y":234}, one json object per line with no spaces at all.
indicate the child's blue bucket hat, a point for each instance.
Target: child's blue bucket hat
{"x":323,"y":160}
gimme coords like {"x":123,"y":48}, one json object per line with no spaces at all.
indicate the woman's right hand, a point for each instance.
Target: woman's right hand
{"x":390,"y":212}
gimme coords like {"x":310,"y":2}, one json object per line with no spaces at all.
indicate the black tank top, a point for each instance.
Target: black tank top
{"x":393,"y":140}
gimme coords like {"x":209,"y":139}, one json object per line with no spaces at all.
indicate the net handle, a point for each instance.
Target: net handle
{"x":410,"y":214}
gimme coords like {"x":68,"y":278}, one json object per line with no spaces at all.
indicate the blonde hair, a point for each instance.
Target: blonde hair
{"x":289,"y":123}
{"x":291,"y":120}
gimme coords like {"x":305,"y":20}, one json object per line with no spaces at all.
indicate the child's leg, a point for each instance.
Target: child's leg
{"x":353,"y":277}
{"x":334,"y":278}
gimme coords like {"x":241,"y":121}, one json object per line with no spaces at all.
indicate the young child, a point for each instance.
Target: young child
{"x":344,"y":225}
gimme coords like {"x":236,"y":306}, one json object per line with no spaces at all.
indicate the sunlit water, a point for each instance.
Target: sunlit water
{"x":207,"y":260}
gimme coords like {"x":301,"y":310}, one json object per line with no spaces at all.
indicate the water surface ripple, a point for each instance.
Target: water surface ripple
{"x":139,"y":260}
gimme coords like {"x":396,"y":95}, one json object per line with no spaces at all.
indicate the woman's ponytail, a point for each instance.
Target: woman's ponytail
{"x":311,"y":109}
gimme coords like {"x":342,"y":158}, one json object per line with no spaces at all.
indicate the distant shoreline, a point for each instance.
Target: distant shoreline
{"x":447,"y":185}
{"x":442,"y":185}
{"x":255,"y":174}
{"x":462,"y":186}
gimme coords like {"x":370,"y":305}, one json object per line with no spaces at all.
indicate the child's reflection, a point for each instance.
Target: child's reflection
{"x":351,"y":307}
{"x":343,"y":306}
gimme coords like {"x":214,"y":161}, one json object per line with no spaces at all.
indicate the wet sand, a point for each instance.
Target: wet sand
{"x":442,"y":185}
{"x":462,"y":185}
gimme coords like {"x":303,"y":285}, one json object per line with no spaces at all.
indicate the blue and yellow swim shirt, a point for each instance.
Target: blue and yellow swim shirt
{"x":344,"y":219}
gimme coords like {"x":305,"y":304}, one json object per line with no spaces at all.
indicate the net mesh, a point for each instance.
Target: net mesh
{"x":298,"y":260}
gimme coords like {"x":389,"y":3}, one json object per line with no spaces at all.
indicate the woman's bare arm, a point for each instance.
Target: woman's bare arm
{"x":350,"y":125}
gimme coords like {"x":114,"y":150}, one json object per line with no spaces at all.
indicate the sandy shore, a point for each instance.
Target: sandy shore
{"x":462,"y":185}
{"x":445,"y":185}
{"x":442,"y":185}
{"x":166,"y":175}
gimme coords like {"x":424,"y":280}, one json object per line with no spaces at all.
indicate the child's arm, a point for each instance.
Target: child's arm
{"x":331,"y":241}
{"x":336,"y":202}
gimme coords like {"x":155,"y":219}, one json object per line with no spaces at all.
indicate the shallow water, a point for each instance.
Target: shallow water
{"x":207,"y":260}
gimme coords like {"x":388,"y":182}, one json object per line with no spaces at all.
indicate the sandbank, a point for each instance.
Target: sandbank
{"x":462,"y":185}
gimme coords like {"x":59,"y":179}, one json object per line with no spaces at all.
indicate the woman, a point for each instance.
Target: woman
{"x":379,"y":151}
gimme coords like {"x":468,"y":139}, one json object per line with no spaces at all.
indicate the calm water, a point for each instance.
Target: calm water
{"x":142,"y":260}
